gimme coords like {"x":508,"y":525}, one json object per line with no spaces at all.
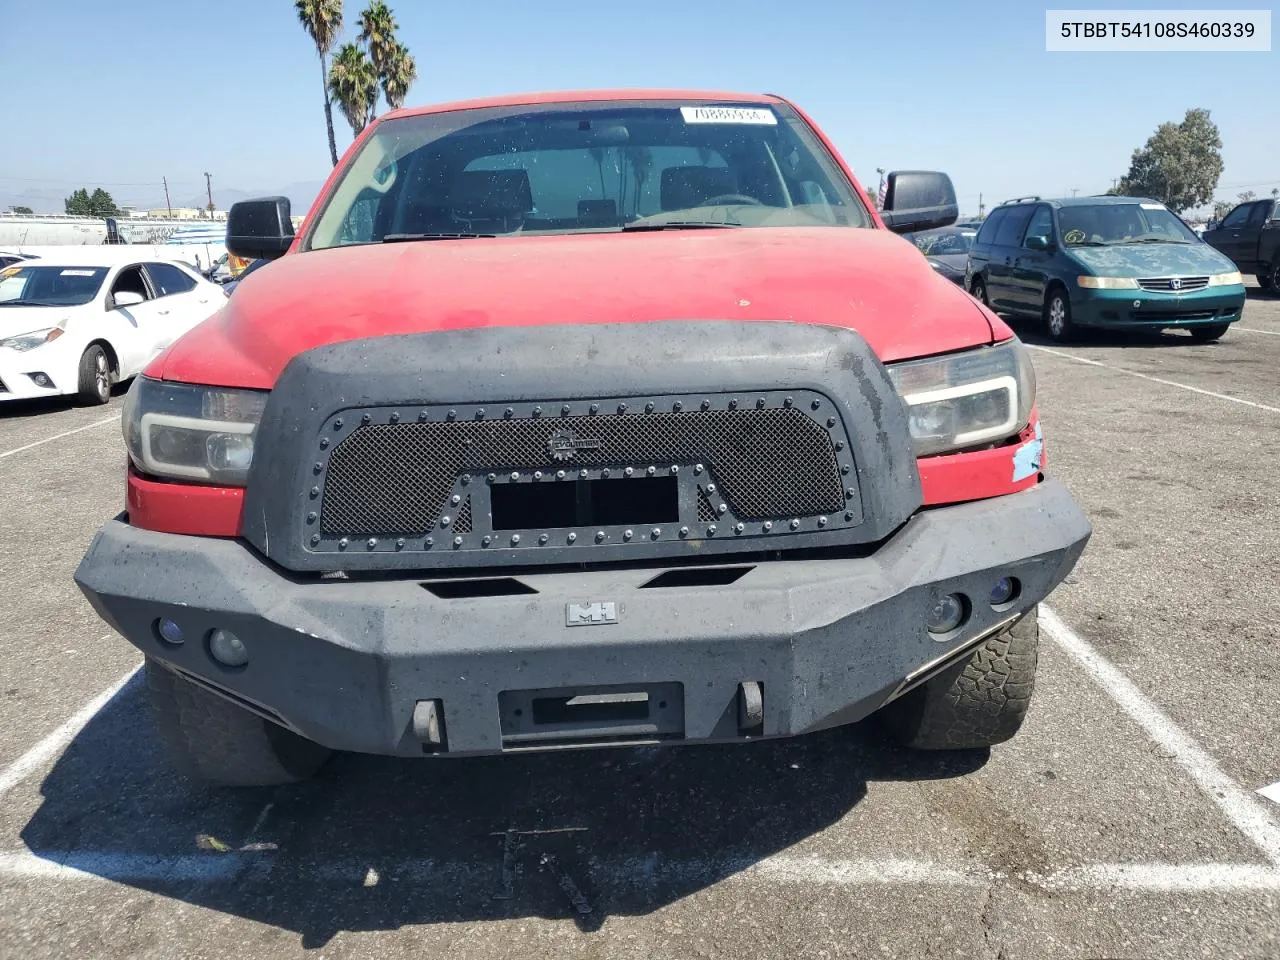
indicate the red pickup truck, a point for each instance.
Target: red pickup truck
{"x":577,"y":420}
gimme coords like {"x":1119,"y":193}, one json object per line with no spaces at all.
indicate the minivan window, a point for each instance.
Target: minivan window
{"x":1100,"y":225}
{"x":1015,"y":221}
{"x":592,"y":166}
{"x":1041,"y":224}
{"x":987,"y":232}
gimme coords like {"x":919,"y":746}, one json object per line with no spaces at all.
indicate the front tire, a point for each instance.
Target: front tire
{"x":1272,"y":278}
{"x":1206,"y":334}
{"x":211,"y":739}
{"x":94,"y":386}
{"x":979,"y":701}
{"x":1057,"y":316}
{"x":979,"y":291}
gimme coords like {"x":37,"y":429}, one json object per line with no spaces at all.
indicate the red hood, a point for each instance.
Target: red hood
{"x":869,"y":280}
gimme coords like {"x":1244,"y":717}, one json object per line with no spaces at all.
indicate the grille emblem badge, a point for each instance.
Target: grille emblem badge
{"x":1175,"y":283}
{"x":565,"y":444}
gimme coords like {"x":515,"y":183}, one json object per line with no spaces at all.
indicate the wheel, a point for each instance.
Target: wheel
{"x":212,"y":739}
{"x":1273,"y":278}
{"x":979,"y":701}
{"x":979,"y":291}
{"x":95,"y":376}
{"x":1057,"y":316}
{"x":1205,"y":334}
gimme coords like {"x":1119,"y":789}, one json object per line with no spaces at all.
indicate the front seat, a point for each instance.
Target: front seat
{"x":686,"y":187}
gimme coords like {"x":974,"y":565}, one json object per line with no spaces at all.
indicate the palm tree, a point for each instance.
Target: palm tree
{"x":398,"y":77}
{"x":322,"y":19}
{"x":378,"y":33}
{"x":354,"y":84}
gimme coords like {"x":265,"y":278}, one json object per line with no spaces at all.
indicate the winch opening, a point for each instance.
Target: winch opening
{"x":584,"y":502}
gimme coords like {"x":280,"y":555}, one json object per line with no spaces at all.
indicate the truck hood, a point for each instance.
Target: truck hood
{"x":1153,"y":260}
{"x":869,"y":280}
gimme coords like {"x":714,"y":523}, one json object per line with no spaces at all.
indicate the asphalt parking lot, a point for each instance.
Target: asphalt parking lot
{"x":1123,"y":822}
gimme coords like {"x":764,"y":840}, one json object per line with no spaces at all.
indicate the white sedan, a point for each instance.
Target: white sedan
{"x":79,"y":324}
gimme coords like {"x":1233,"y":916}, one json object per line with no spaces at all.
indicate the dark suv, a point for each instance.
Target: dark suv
{"x":1250,"y":236}
{"x":1102,"y":262}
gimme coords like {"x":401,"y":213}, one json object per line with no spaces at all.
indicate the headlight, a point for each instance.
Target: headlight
{"x":966,"y":399}
{"x":188,"y":432}
{"x":1226,"y":279}
{"x":1108,"y":283}
{"x":38,"y":338}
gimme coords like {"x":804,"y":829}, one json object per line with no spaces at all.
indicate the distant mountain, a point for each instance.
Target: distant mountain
{"x":301,"y":194}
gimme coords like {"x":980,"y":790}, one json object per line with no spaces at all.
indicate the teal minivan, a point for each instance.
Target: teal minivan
{"x":1102,"y":262}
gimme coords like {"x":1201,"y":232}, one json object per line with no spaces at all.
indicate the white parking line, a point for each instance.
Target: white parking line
{"x":1244,"y":812}
{"x":1269,"y":333}
{"x":1147,"y":376}
{"x":50,"y":746}
{"x":1272,"y":792}
{"x":59,"y":436}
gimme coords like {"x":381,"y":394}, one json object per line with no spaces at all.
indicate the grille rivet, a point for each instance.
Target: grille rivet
{"x":366,"y":419}
{"x":656,"y":532}
{"x":711,"y":530}
{"x":677,"y":406}
{"x":768,"y":525}
{"x":324,"y":443}
{"x":795,"y":524}
{"x":508,"y":413}
{"x":559,"y":474}
{"x":684,"y":531}
{"x":337,"y":424}
{"x":457,"y":542}
{"x":815,"y":404}
{"x":845,"y":469}
{"x":583,"y":474}
{"x":605,"y":473}
{"x":599,"y":536}
{"x":400,"y":543}
{"x":675,"y":468}
{"x":485,"y":541}
{"x":622,"y":408}
{"x":651,"y":471}
{"x":839,"y":445}
{"x":445,"y":521}
{"x":564,"y":411}
{"x":739,"y":527}
{"x":760,"y":403}
{"x":572,"y":537}
{"x":697,"y":468}
{"x":452,"y":414}
{"x":722,"y":509}
{"x":628,"y":471}
{"x":480,"y":414}
{"x":317,"y":466}
{"x":311,"y":517}
{"x":628,"y":534}
{"x":515,"y":538}
{"x":831,"y":421}
{"x":787,"y":402}
{"x":315,"y":491}
{"x":342,"y":544}
{"x":466,"y":478}
{"x":542,"y":538}
{"x":315,"y":538}
{"x":492,"y":477}
{"x":395,"y":418}
{"x":849,"y":515}
{"x":537,"y":411}
{"x":595,"y":408}
{"x":455,"y":499}
{"x":706,"y":404}
{"x":537,"y":474}
{"x":431,"y":542}
{"x":848,"y":494}
{"x":711,"y":488}
{"x":822,"y":521}
{"x":733,"y":404}
{"x":371,"y":542}
{"x":515,"y":475}
{"x":648,"y":408}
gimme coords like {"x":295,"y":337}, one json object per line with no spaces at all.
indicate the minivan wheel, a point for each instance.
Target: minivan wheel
{"x":979,"y":291}
{"x":1057,"y":316}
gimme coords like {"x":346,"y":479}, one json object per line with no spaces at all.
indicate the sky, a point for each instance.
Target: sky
{"x":121,"y":94}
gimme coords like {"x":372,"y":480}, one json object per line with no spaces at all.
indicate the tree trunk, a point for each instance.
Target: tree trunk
{"x":328,"y":110}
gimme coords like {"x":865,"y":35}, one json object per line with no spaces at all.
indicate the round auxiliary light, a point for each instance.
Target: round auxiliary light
{"x":169,"y":631}
{"x":227,"y":648}
{"x":948,"y":613}
{"x":1003,"y":590}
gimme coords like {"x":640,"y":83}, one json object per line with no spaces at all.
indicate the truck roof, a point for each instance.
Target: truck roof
{"x":580,"y":96}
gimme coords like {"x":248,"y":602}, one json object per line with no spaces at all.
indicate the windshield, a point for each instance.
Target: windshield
{"x":942,"y":244}
{"x":1114,"y":223}
{"x":582,"y":167}
{"x":29,"y":286}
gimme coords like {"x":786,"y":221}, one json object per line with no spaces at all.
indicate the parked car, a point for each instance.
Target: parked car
{"x":452,"y":477}
{"x":79,"y":325}
{"x":1250,"y":236}
{"x":9,"y":259}
{"x":1102,"y":262}
{"x":946,"y":249}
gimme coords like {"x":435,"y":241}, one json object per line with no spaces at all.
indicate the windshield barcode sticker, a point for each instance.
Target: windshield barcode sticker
{"x":761,"y":115}
{"x":76,"y":273}
{"x":1151,"y":206}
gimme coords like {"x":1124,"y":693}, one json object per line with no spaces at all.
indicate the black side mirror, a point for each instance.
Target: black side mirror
{"x":919,"y":200}
{"x":259,"y":229}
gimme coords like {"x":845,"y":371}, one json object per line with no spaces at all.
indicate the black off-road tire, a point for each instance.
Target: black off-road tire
{"x":1270,"y":279}
{"x":211,"y":739}
{"x":1206,"y":334}
{"x":95,"y":378}
{"x":979,"y":701}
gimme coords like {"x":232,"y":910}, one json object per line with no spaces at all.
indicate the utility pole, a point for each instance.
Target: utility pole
{"x":168,"y":205}
{"x":208,"y":183}
{"x":981,"y":207}
{"x":1074,"y":191}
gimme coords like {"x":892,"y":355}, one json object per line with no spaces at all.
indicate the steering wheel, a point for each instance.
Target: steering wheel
{"x":730,"y":198}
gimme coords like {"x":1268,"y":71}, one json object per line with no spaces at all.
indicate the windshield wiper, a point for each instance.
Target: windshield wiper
{"x":405,"y":237}
{"x":1157,"y":240}
{"x":678,"y":225}
{"x":1090,"y":243}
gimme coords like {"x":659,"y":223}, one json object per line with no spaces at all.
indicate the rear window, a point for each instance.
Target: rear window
{"x":578,"y":167}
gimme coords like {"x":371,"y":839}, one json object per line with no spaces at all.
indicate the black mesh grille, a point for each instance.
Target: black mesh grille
{"x":396,"y":477}
{"x":706,"y":512}
{"x":463,"y":523}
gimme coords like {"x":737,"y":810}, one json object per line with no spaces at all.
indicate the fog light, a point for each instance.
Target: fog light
{"x":41,"y":379}
{"x":1004,"y":590}
{"x":948,"y":613}
{"x":168,"y":631}
{"x":227,"y":648}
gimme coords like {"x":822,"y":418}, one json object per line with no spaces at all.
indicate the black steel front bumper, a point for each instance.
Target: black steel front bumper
{"x":645,"y":656}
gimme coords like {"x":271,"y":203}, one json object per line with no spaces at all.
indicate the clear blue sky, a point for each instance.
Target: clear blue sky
{"x":120,"y":94}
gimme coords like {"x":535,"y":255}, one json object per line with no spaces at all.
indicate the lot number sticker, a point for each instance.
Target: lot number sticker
{"x":750,"y":115}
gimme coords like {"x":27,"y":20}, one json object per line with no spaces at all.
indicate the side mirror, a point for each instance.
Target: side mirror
{"x":919,"y":200}
{"x":259,"y":229}
{"x":1039,"y":243}
{"x":126,"y":298}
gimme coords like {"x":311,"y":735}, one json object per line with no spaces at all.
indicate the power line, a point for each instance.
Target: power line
{"x":93,"y":180}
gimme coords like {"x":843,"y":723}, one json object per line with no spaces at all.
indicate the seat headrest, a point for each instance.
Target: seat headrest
{"x":685,"y":187}
{"x":491,"y":192}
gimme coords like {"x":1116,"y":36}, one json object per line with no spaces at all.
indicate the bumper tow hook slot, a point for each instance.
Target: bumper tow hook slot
{"x":426,"y":722}
{"x":750,"y":707}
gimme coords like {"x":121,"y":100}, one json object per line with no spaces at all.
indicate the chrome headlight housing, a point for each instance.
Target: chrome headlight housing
{"x":969,"y":399}
{"x":182,"y":431}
